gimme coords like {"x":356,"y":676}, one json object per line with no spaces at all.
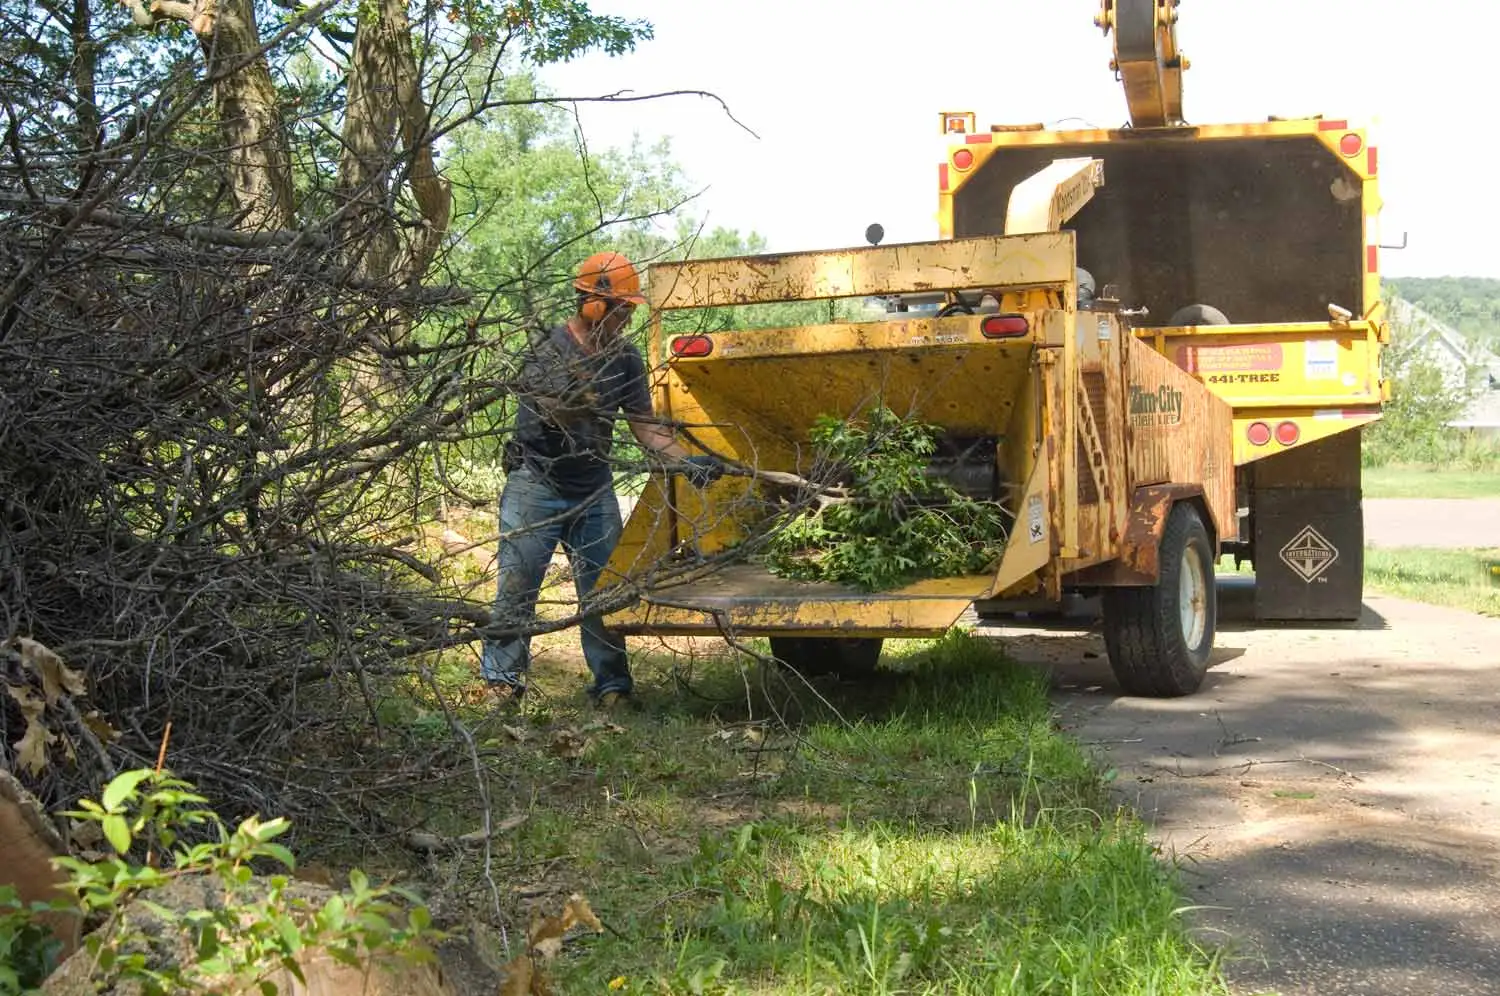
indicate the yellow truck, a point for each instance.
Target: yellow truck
{"x":1154,"y":345}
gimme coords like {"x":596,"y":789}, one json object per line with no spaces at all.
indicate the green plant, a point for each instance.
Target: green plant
{"x":248,"y":928}
{"x":28,"y":951}
{"x":899,"y":523}
{"x":1425,"y":398}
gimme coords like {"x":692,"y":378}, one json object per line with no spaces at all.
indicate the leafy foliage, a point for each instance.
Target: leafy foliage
{"x":28,"y":951}
{"x":258,"y":926}
{"x":1414,"y":427}
{"x":530,"y":200}
{"x":899,"y":525}
{"x":1469,"y":304}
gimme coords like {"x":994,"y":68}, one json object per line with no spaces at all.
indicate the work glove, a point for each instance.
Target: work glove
{"x":701,"y":471}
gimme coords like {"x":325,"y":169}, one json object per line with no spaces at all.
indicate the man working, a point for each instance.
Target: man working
{"x":559,"y":486}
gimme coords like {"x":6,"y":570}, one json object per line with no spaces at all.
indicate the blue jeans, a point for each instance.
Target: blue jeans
{"x":533,"y":520}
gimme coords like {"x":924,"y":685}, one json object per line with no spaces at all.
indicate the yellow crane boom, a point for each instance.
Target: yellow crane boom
{"x":1146,"y":58}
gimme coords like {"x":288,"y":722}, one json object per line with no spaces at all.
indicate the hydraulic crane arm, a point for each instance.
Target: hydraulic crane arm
{"x":1147,"y":59}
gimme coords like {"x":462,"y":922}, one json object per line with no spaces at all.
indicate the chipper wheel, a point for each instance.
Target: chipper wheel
{"x":1159,"y":637}
{"x":845,"y":656}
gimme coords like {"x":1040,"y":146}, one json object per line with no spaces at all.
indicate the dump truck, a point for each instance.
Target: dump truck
{"x":1154,"y":345}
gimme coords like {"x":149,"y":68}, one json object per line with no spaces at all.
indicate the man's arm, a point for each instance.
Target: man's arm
{"x":700,"y":469}
{"x":660,"y":439}
{"x":641,"y":414}
{"x":657,"y":437}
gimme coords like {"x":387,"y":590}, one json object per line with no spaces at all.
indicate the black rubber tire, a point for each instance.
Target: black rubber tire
{"x":1143,"y":630}
{"x":844,"y":656}
{"x":1197,"y":314}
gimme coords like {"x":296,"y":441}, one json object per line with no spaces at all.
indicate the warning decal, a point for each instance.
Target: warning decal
{"x":1309,"y":554}
{"x":1217,"y":359}
{"x":1034,"y":530}
{"x":1322,"y":359}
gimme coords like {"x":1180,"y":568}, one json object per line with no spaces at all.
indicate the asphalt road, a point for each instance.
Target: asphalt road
{"x":1332,"y":792}
{"x":1440,"y":522}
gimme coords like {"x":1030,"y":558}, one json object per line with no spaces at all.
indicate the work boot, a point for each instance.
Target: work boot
{"x":504,"y":694}
{"x":618,"y":702}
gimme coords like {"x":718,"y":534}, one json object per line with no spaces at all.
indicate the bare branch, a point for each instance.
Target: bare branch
{"x":136,"y":223}
{"x":627,"y":96}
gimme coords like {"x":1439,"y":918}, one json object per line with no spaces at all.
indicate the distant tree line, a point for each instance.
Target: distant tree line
{"x":1469,"y":304}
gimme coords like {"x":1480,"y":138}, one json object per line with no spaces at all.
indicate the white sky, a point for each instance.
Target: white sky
{"x":844,"y":96}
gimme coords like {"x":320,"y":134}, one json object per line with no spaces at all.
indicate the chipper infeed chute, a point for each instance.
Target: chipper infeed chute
{"x":752,"y":396}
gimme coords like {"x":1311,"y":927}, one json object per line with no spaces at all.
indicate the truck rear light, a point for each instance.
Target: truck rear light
{"x":1350,"y":144}
{"x":692,"y":345}
{"x":1004,"y":326}
{"x":963,"y":159}
{"x":1259,"y":433}
{"x":1288,"y":433}
{"x":958,"y":122}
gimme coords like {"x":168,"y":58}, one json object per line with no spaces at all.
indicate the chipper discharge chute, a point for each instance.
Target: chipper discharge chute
{"x":1113,"y":466}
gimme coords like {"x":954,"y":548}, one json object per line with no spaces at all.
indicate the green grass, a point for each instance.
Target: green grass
{"x":927,"y":831}
{"x":1454,"y":578}
{"x":1429,"y":482}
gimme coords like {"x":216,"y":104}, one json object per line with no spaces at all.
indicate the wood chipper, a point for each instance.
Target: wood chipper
{"x":1115,"y":465}
{"x":1205,"y":397}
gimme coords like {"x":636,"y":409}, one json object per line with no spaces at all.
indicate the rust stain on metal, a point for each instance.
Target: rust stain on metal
{"x":960,"y":264}
{"x":1139,"y":562}
{"x":1143,"y":528}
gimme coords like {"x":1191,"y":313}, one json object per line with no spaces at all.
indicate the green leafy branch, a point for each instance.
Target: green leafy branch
{"x":900,"y":523}
{"x":256,"y":927}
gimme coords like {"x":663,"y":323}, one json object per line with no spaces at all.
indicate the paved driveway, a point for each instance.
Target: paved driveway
{"x":1332,"y":792}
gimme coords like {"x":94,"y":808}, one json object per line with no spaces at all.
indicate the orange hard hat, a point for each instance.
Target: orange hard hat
{"x":609,"y":275}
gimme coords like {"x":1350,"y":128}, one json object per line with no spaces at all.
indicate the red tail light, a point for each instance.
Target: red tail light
{"x":692,"y":345}
{"x":1288,"y":433}
{"x":1004,"y":326}
{"x":1259,"y":433}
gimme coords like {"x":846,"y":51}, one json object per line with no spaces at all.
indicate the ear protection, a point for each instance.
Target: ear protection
{"x":598,"y":293}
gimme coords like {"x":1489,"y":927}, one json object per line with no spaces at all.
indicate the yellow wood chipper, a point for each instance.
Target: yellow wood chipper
{"x":1153,"y":345}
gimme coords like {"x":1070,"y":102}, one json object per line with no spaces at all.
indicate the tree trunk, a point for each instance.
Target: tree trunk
{"x":385,"y":126}
{"x":370,"y":117}
{"x":386,"y":123}
{"x":85,"y":63}
{"x":258,"y":167}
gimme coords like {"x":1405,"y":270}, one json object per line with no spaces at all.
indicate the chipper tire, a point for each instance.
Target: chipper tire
{"x":1159,"y":637}
{"x":813,"y":656}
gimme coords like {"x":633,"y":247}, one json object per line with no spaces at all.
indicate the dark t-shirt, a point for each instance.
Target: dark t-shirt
{"x":571,"y":453}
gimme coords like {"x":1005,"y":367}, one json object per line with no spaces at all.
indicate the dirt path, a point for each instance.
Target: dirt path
{"x":1334,"y":793}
